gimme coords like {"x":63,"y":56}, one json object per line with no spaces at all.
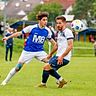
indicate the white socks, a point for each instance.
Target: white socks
{"x":60,"y":79}
{"x":43,"y":83}
{"x":10,"y":75}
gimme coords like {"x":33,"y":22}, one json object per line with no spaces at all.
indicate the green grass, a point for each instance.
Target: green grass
{"x":83,"y":44}
{"x":83,"y":49}
{"x":81,"y":72}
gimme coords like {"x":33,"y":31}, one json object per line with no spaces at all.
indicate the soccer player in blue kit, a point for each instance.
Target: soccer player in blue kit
{"x":63,"y":55}
{"x":38,"y":33}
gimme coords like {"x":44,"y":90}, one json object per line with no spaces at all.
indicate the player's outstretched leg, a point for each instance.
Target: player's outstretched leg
{"x":49,"y":71}
{"x":11,"y":74}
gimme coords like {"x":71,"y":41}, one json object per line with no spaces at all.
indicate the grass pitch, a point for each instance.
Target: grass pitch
{"x":81,"y":72}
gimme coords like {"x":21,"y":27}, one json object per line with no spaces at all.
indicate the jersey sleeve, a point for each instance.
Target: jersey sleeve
{"x":69,"y":34}
{"x":49,"y":34}
{"x":28,"y":29}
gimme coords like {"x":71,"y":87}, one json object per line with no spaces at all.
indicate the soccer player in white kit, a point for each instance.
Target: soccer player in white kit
{"x":63,"y":55}
{"x":38,"y":33}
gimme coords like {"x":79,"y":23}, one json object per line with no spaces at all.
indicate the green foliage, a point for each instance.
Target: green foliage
{"x":11,"y":20}
{"x":94,"y":9}
{"x":84,"y":9}
{"x":81,"y":8}
{"x":1,"y":17}
{"x":54,"y":10}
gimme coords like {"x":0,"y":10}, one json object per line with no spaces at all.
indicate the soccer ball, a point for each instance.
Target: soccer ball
{"x":77,"y":25}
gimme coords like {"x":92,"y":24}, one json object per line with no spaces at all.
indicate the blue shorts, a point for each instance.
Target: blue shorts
{"x":53,"y":62}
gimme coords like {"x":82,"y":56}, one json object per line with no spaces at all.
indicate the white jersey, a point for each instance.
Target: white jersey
{"x":63,"y":43}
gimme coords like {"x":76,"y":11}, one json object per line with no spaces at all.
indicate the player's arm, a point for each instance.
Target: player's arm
{"x":54,"y":48}
{"x":68,"y":49}
{"x":13,"y":35}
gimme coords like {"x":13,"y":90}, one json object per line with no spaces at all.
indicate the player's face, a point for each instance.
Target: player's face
{"x":43,"y":21}
{"x":60,"y":24}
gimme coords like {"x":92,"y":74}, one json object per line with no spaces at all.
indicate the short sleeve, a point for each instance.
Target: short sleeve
{"x":49,"y":34}
{"x":28,"y":29}
{"x":69,"y":34}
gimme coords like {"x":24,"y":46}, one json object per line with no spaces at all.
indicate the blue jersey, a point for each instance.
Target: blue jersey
{"x":36,"y":38}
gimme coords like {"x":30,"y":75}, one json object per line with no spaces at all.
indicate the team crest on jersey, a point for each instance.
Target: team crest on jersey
{"x":38,"y":39}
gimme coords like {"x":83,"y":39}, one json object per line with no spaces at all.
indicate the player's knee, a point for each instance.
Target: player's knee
{"x":18,"y":67}
{"x":47,"y":67}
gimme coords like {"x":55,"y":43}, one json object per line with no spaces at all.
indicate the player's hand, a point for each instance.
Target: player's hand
{"x":45,"y":60}
{"x":60,"y":60}
{"x":5,"y":38}
{"x":49,"y":56}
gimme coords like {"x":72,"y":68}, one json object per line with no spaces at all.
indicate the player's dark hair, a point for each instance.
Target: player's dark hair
{"x":40,"y":15}
{"x":61,"y":18}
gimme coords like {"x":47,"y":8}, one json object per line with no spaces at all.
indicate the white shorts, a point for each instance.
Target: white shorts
{"x":26,"y":56}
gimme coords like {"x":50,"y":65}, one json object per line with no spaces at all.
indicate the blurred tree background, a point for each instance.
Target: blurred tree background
{"x":85,"y":9}
{"x":54,"y":10}
{"x":82,"y":9}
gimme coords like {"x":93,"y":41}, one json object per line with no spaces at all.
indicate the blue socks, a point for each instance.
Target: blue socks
{"x":45,"y":76}
{"x":52,"y":72}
